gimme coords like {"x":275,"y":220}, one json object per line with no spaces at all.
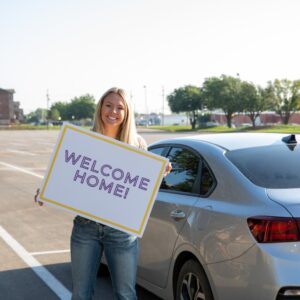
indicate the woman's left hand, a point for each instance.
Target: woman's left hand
{"x":168,"y":169}
{"x":36,"y":198}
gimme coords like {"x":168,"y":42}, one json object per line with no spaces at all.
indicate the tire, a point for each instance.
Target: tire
{"x":192,"y":283}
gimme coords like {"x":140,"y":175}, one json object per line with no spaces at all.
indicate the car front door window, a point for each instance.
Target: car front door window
{"x":184,"y":170}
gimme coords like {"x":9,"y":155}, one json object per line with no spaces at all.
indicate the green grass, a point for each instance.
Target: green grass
{"x":280,"y":129}
{"x":33,"y":127}
{"x":172,"y":128}
{"x":218,"y":129}
{"x":29,"y":127}
{"x":182,"y":128}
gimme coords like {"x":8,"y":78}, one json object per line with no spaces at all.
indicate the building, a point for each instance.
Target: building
{"x":155,"y":119}
{"x":264,"y":118}
{"x":10,"y":111}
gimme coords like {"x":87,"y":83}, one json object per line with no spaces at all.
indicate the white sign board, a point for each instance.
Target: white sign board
{"x":103,"y":179}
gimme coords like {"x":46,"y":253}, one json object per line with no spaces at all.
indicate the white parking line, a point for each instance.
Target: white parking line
{"x":20,"y":169}
{"x":20,"y":152}
{"x":46,"y":151}
{"x":29,"y":169}
{"x":56,"y":286}
{"x":47,"y":143}
{"x":6,"y":169}
{"x":49,"y":252}
{"x":18,"y":144}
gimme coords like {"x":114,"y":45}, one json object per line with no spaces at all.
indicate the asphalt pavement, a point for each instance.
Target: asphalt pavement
{"x":34,"y":241}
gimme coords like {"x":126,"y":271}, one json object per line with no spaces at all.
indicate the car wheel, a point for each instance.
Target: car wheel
{"x":192,"y":283}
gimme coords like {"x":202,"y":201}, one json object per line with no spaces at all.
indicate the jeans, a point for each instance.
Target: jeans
{"x":88,"y":242}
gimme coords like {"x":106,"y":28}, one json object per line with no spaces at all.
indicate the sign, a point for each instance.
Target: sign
{"x":103,"y":179}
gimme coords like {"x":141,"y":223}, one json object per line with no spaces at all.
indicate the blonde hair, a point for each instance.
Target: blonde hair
{"x":127,"y":133}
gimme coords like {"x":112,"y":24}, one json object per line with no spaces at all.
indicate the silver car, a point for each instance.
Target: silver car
{"x":225,"y":225}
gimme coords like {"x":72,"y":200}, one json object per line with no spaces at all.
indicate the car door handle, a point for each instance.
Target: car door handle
{"x":177,"y":214}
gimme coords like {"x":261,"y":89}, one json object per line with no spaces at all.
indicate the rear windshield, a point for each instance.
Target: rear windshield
{"x":276,"y":166}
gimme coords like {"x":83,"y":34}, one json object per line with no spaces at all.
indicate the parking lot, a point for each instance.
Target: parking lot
{"x":34,"y":241}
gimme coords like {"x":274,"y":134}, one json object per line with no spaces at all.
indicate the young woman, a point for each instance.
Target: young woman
{"x":114,"y":117}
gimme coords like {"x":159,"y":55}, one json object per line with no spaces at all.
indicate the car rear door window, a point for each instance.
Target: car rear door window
{"x":207,"y":182}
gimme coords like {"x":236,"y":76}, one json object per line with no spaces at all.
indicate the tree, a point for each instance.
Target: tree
{"x":224,"y":93}
{"x":186,"y":99}
{"x":62,"y":108}
{"x":286,"y":97}
{"x":54,"y":114}
{"x":82,"y":107}
{"x":37,"y":116}
{"x":255,"y":99}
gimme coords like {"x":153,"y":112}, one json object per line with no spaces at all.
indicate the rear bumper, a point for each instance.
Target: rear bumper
{"x":260,"y":273}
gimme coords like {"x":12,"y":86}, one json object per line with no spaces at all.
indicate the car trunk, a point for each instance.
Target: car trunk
{"x":289,"y":198}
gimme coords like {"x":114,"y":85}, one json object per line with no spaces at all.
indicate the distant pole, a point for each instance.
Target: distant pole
{"x":48,"y":101}
{"x":131,"y":100}
{"x":163,"y":106}
{"x":131,"y":97}
{"x":146,"y":104}
{"x":132,"y":104}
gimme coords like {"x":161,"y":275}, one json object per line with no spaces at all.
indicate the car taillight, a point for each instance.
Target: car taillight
{"x":267,"y":229}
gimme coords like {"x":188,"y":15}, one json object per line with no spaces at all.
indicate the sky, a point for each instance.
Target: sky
{"x":69,"y":48}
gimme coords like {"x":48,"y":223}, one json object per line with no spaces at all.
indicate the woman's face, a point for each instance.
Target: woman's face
{"x":112,"y":111}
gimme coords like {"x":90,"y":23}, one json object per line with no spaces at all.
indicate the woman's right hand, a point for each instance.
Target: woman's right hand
{"x":40,"y":203}
{"x":168,"y":169}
